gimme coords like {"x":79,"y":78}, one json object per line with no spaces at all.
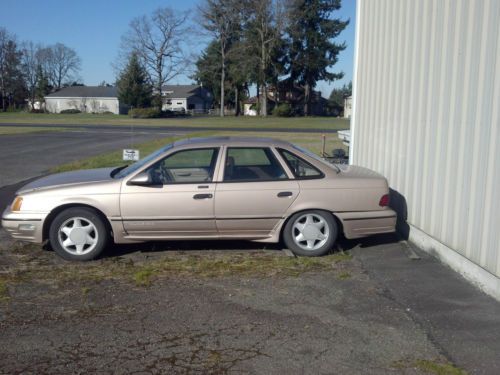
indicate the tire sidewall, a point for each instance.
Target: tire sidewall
{"x":327,"y":246}
{"x":87,"y":214}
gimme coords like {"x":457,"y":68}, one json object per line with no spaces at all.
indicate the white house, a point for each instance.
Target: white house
{"x":90,"y":99}
{"x":348,"y":107}
{"x":426,"y":115}
{"x":193,"y":98}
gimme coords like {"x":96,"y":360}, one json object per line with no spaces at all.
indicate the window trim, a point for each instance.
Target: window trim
{"x":278,"y":162}
{"x":319,"y":176}
{"x":215,"y":158}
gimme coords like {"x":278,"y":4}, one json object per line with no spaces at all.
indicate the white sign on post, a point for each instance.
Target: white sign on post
{"x":131,"y":155}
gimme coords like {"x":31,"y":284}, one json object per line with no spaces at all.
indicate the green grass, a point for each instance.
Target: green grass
{"x":437,"y":368}
{"x":312,"y":141}
{"x":430,"y":367}
{"x":228,"y":122}
{"x":28,"y":268}
{"x":18,"y":130}
{"x":4,"y":291}
{"x":143,"y":276}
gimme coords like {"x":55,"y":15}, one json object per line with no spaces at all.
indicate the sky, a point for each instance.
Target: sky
{"x":94,"y":29}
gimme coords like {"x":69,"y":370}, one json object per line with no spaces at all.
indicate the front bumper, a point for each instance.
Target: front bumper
{"x":25,"y":226}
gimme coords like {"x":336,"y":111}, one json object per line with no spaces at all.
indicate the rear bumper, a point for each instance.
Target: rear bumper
{"x":24,"y":226}
{"x":362,"y":224}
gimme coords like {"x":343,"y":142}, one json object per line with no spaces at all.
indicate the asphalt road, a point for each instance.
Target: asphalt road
{"x":378,"y":313}
{"x":159,"y":128}
{"x":23,"y":156}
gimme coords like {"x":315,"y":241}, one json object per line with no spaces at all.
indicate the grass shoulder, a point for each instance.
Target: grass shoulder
{"x":229,"y":122}
{"x":312,"y":141}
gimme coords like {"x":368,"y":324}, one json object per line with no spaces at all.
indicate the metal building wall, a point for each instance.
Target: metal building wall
{"x":426,"y":115}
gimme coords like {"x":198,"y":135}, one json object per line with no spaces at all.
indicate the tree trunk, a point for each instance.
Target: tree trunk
{"x":258,"y":98}
{"x":159,"y":101}
{"x":307,"y":99}
{"x":237,"y":101}
{"x":264,"y":100}
{"x":263,"y":78}
{"x":222,"y":79}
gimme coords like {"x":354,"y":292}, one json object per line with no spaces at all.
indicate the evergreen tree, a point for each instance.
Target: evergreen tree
{"x":12,"y":88}
{"x":337,"y":96}
{"x":311,"y":47}
{"x":42,"y":84}
{"x":133,"y":87}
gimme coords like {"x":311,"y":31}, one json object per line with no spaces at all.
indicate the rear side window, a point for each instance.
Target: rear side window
{"x":301,"y":169}
{"x":252,"y":164}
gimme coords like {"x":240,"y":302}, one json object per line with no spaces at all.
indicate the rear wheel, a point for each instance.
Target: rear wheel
{"x":78,"y":234}
{"x":310,"y":233}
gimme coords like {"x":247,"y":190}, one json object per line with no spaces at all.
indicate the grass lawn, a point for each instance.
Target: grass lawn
{"x":312,"y":141}
{"x":229,"y":122}
{"x":15,"y":130}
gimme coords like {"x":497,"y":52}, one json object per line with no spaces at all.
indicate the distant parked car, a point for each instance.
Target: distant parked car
{"x":208,"y":188}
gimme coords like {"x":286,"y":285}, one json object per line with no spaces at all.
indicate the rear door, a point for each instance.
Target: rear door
{"x":254,"y":193}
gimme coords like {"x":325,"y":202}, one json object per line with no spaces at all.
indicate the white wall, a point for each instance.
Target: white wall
{"x":89,"y":105}
{"x":427,"y":113}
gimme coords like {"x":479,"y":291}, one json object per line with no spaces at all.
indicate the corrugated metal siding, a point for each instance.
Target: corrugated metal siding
{"x":426,"y":115}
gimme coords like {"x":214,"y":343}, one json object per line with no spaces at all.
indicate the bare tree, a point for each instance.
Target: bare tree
{"x":158,"y":41}
{"x":63,"y":64}
{"x":30,"y":64}
{"x":221,"y":18}
{"x":266,"y":22}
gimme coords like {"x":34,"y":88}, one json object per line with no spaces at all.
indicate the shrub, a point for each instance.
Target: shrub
{"x":144,"y":113}
{"x":70,"y":111}
{"x":107,"y":113}
{"x":283,"y":110}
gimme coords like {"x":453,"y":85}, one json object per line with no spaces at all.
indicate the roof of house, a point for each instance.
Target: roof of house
{"x":184,"y":91}
{"x":85,"y":92}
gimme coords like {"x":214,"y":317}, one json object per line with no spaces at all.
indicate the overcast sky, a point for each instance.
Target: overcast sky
{"x":94,"y":28}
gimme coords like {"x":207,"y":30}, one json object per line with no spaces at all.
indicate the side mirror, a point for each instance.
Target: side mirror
{"x":142,"y":179}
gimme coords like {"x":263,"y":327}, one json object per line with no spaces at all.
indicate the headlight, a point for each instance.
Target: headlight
{"x":16,"y":205}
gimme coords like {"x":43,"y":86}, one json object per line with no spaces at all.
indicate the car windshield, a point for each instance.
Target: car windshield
{"x":133,"y":167}
{"x":311,"y":154}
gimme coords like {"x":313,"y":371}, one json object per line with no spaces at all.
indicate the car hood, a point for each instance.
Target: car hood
{"x":68,"y":178}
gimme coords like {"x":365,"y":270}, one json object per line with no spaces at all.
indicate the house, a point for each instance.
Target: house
{"x":250,"y":106}
{"x":193,"y":98}
{"x":293,"y":94}
{"x":89,"y":99}
{"x":348,"y":106}
{"x":426,"y":115}
{"x":290,"y":93}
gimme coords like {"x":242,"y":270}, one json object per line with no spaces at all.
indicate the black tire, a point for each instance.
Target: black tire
{"x":87,"y":217}
{"x":329,"y":226}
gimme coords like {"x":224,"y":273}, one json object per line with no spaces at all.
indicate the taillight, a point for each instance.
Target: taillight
{"x":384,"y":201}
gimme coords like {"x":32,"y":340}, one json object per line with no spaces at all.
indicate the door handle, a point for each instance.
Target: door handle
{"x":203,"y":196}
{"x":283,"y":194}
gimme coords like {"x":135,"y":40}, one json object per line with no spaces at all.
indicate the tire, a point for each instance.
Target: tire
{"x":85,"y":243}
{"x":310,"y":233}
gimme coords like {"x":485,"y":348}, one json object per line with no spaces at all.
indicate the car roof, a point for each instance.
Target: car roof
{"x":231,"y":141}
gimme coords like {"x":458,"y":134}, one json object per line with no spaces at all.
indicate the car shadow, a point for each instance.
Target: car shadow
{"x":152,"y":247}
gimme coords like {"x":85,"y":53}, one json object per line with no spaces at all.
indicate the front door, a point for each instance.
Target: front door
{"x":180,"y":203}
{"x":254,"y":194}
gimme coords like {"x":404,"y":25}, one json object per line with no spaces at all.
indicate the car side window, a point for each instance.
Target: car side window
{"x":252,"y":164}
{"x":187,"y":166}
{"x":300,"y":168}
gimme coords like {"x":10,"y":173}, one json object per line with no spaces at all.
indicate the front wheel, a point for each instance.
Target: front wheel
{"x":310,"y":233}
{"x":78,"y":234}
